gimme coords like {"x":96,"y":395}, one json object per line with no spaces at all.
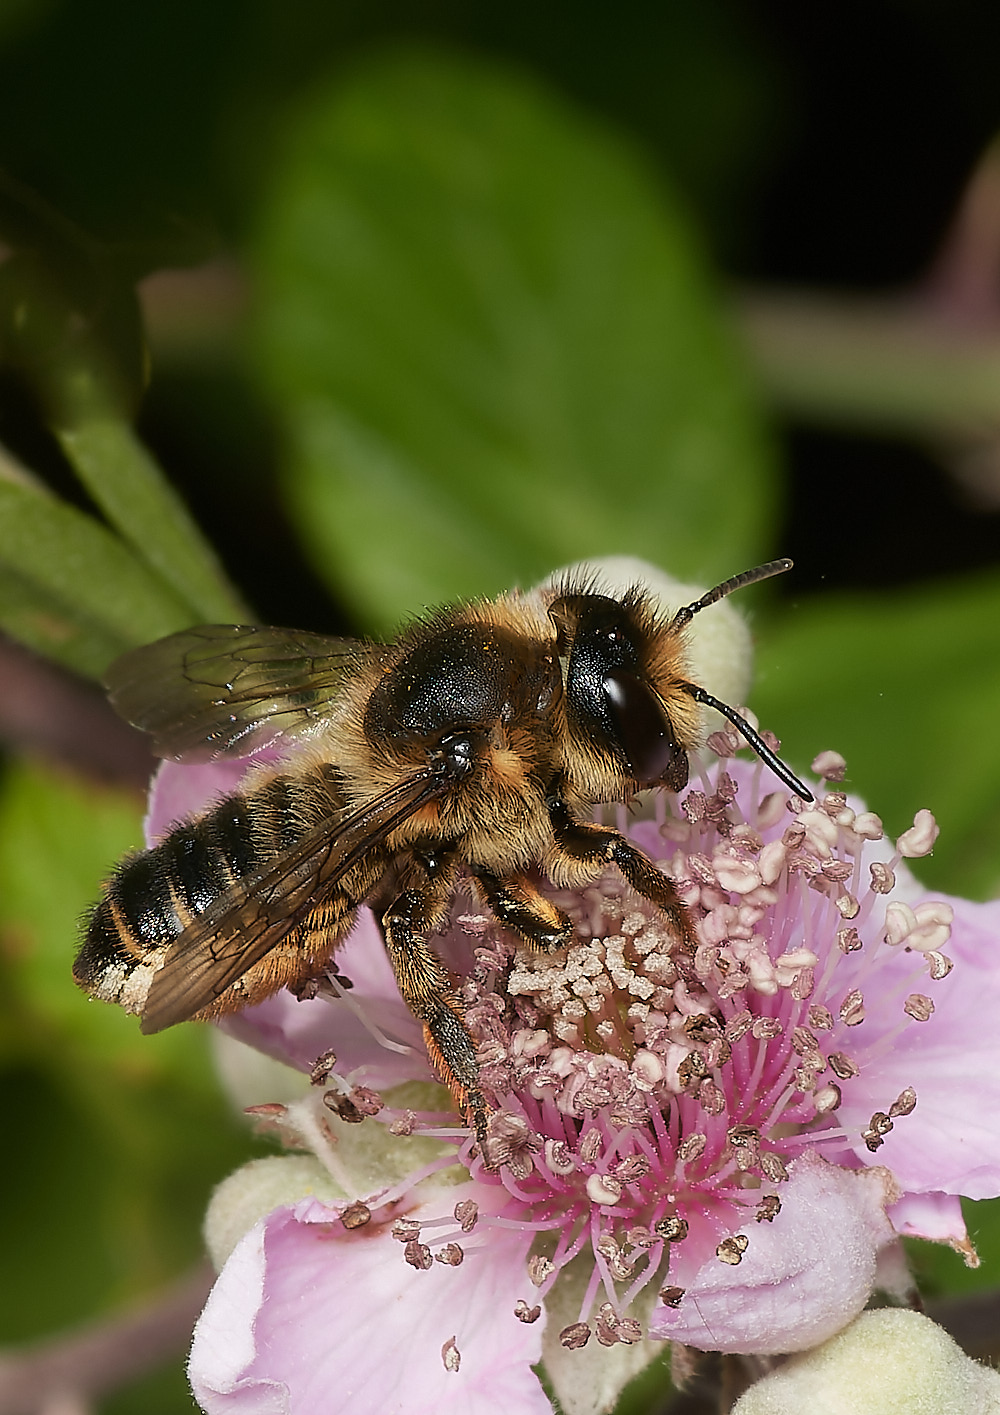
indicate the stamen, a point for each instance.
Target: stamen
{"x":637,"y":1090}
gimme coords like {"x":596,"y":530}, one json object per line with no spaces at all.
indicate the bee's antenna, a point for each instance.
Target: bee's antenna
{"x":755,"y":739}
{"x":737,"y":582}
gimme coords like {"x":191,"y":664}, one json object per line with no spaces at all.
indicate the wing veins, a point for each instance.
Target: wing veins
{"x":244,"y":924}
{"x":227,"y":688}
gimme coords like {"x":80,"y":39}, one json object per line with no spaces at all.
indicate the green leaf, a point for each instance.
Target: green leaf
{"x":133,"y":493}
{"x":907,"y":687}
{"x":494,"y":345}
{"x":69,"y":588}
{"x":72,"y":330}
{"x":55,"y":828}
{"x":119,"y":1141}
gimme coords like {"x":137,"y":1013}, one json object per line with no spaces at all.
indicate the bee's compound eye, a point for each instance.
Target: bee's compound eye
{"x":643,"y":732}
{"x":457,"y":754}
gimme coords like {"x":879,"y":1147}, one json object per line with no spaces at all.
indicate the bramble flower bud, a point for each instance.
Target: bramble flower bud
{"x":889,"y":1362}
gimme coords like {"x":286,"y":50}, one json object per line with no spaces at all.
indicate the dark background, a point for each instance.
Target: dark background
{"x":821,"y":145}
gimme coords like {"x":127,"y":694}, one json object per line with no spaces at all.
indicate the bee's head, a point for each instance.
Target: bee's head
{"x":627,"y":708}
{"x":632,"y":711}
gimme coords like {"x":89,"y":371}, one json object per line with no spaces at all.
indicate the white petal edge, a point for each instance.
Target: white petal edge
{"x":342,"y":1314}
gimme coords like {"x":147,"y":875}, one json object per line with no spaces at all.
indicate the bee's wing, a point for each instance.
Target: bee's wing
{"x":228,"y":688}
{"x":250,"y":919}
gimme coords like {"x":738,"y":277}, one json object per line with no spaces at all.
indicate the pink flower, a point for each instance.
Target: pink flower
{"x":712,"y":1149}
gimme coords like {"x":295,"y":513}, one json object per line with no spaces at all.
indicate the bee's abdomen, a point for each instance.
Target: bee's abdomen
{"x":154,"y":895}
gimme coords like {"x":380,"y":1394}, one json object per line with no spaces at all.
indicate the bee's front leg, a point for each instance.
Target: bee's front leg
{"x":519,"y":906}
{"x":585,"y":843}
{"x":428,"y":993}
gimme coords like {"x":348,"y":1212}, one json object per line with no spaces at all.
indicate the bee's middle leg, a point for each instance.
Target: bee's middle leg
{"x":428,"y":993}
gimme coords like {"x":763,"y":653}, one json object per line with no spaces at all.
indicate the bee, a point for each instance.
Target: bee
{"x":476,"y":745}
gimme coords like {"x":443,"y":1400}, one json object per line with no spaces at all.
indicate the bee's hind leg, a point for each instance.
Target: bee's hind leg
{"x":428,"y":993}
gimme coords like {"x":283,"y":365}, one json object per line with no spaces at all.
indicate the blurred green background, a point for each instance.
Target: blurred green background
{"x":417,"y":300}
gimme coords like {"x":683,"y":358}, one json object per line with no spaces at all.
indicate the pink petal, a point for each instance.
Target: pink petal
{"x":950,"y":1142}
{"x":936,"y":1217}
{"x":178,"y":791}
{"x":306,"y":1318}
{"x":298,"y":1032}
{"x":802,"y":1277}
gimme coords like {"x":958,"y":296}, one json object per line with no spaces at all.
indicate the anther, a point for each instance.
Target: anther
{"x":269,"y":1110}
{"x":343,"y":1107}
{"x":559,"y":1157}
{"x":632,"y":1168}
{"x":803,"y":984}
{"x":904,"y":1103}
{"x":610,"y":1250}
{"x":829,"y":766}
{"x":826,"y":1099}
{"x":878,"y":1127}
{"x":575,"y":1336}
{"x":773,"y":1167}
{"x":366,"y":1101}
{"x":868,"y":826}
{"x":467,"y":1214}
{"x":672,"y":1229}
{"x":540,"y":1270}
{"x":322,"y":1067}
{"x":919,"y":839}
{"x":731,"y":1250}
{"x":847,"y":906}
{"x":738,"y":1026}
{"x":691,"y":1148}
{"x":710,"y":1098}
{"x":900,"y":921}
{"x":591,"y":1146}
{"x":852,"y":1009}
{"x":418,"y":1255}
{"x":804,"y":1041}
{"x":603,"y":1189}
{"x":607,"y":1325}
{"x":842,"y":1066}
{"x":939,"y":964}
{"x":883,"y":879}
{"x":451,"y":1255}
{"x":691,"y":1070}
{"x":837,"y":871}
{"x":745,"y":1140}
{"x":933,"y":925}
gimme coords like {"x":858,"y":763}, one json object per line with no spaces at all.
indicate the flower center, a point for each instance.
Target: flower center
{"x":642,"y":1090}
{"x":648,"y":1096}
